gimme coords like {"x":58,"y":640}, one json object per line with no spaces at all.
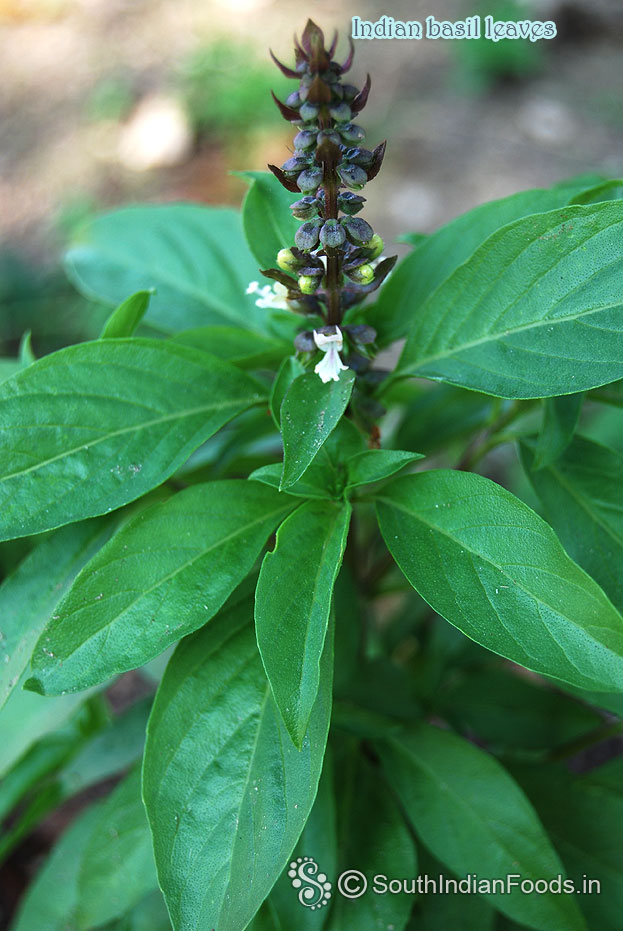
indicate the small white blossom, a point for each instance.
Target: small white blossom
{"x":269,"y":297}
{"x":330,"y":365}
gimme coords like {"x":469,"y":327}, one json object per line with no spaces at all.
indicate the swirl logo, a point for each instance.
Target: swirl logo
{"x":314,"y":889}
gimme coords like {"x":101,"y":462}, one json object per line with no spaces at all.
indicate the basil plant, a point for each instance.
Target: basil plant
{"x":375,"y":603}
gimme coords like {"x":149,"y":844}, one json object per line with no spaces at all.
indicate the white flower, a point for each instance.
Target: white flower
{"x":330,"y":365}
{"x":269,"y":297}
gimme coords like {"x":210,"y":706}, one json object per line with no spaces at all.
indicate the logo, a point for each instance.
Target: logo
{"x":314,"y":889}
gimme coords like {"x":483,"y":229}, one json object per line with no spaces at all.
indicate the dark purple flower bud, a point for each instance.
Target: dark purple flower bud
{"x":359,"y":156}
{"x":310,"y":180}
{"x":304,"y":342}
{"x":304,"y":140}
{"x":350,"y":203}
{"x":358,"y":231}
{"x":332,"y":234}
{"x":306,"y":237}
{"x":352,"y":176}
{"x":352,"y":133}
{"x":306,"y":208}
{"x":295,"y":165}
{"x":361,"y":333}
{"x":349,"y":91}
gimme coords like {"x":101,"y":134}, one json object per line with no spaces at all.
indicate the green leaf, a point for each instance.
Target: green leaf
{"x":309,"y":413}
{"x":374,"y":840}
{"x":29,"y":596}
{"x":560,"y":418}
{"x":318,"y":841}
{"x":89,"y":428}
{"x":434,"y":259}
{"x":509,"y":711}
{"x":26,"y":718}
{"x":51,"y":899}
{"x":292,"y":605}
{"x":149,"y":915}
{"x":194,"y":258}
{"x":290,"y":368}
{"x":9,"y":367}
{"x":474,"y":818}
{"x":163,"y":575}
{"x":441,"y":415}
{"x":244,"y":348}
{"x":117,"y":868}
{"x":373,"y":465}
{"x":535,"y":312}
{"x":108,"y":752}
{"x":227,"y":793}
{"x":583,"y":500}
{"x":492,"y":567}
{"x":605,"y":190}
{"x":126,"y":317}
{"x":581,"y":815}
{"x":266,"y":218}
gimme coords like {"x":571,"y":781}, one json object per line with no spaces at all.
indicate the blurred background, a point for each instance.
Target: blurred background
{"x":104,"y":102}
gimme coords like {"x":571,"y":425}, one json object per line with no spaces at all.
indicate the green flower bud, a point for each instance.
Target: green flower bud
{"x":328,"y":134}
{"x":359,"y":156}
{"x":306,"y":208}
{"x":351,"y":133}
{"x":310,"y":180}
{"x":375,"y":247}
{"x":293,"y":100}
{"x":308,"y":283}
{"x":340,"y":112}
{"x":286,"y":261}
{"x":352,"y":176}
{"x":306,"y":237}
{"x":363,"y":274}
{"x":332,"y":234}
{"x":350,"y":203}
{"x":349,"y":91}
{"x":309,"y":111}
{"x":358,"y":231}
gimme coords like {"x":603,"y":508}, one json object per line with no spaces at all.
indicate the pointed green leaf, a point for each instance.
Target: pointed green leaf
{"x":536,"y":311}
{"x":266,"y":218}
{"x":92,"y":427}
{"x":51,"y":899}
{"x":474,"y":818}
{"x":560,"y":418}
{"x":493,"y":568}
{"x":318,"y":841}
{"x":126,"y":317}
{"x":243,"y":348}
{"x":373,"y":465}
{"x":582,"y":815}
{"x":375,"y":840}
{"x":29,"y":596}
{"x":436,"y":257}
{"x":195,"y":258}
{"x":227,"y":793}
{"x":117,"y":868}
{"x":292,"y":605}
{"x":582,"y":494}
{"x":163,"y":575}
{"x":290,"y":368}
{"x":309,"y":413}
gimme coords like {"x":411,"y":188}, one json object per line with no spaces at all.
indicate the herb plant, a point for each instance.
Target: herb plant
{"x":385,"y":660}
